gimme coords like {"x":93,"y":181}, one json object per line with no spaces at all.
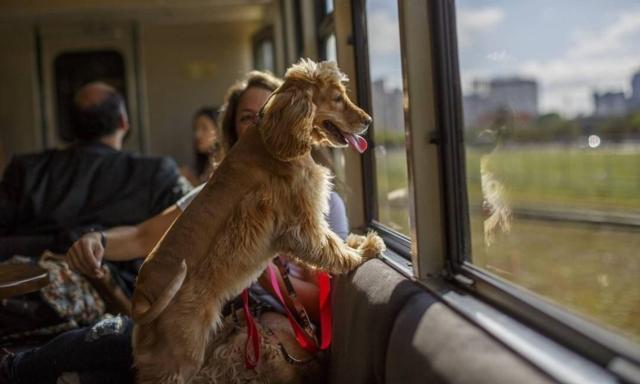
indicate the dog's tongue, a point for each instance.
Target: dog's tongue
{"x":358,"y":142}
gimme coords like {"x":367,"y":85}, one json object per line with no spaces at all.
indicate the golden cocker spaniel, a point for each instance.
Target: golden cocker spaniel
{"x":268,"y":196}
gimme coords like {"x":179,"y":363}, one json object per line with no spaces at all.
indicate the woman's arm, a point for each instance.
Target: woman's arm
{"x":122,"y":243}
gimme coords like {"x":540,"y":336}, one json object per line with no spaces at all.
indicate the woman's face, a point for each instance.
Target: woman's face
{"x":248,"y":107}
{"x":205,"y":133}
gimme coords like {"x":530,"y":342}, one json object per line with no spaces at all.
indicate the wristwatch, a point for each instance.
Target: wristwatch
{"x":103,"y":239}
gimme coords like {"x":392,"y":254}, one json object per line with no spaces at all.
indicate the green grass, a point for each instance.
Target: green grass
{"x":391,"y":175}
{"x":571,"y":178}
{"x":593,"y":271}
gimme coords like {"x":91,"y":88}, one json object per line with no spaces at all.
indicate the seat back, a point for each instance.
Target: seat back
{"x":388,"y":329}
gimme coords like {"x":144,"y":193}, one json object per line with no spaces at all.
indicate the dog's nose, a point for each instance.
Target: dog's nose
{"x":367,"y":121}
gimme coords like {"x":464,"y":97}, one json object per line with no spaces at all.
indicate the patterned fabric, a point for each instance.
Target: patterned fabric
{"x":69,"y":294}
{"x":281,"y":358}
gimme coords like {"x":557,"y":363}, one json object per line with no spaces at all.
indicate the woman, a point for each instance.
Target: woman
{"x":207,"y":146}
{"x":244,"y":101}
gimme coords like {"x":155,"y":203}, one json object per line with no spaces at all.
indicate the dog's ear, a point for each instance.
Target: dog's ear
{"x":287,"y":122}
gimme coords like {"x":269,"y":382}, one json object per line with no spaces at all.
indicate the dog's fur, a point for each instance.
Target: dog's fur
{"x":267,"y":197}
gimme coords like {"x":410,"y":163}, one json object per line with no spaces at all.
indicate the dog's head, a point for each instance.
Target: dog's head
{"x":312,"y":108}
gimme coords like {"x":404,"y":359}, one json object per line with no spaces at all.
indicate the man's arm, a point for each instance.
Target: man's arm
{"x":122,"y":243}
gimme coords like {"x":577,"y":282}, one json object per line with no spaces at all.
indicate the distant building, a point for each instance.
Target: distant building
{"x":517,"y":95}
{"x":388,"y":112}
{"x":609,"y":104}
{"x":615,"y":104}
{"x":633,"y":103}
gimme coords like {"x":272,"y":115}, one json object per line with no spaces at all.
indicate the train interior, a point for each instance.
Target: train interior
{"x":404,"y":318}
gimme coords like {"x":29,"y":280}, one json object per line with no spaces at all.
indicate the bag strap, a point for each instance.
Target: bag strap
{"x":305,"y":334}
{"x":306,"y":339}
{"x":303,"y":316}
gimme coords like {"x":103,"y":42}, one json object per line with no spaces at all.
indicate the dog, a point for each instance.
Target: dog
{"x":268,"y":196}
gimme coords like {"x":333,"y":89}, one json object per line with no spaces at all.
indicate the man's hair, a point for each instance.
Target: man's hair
{"x":98,"y":120}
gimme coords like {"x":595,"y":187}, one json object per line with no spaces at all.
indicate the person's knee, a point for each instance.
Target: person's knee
{"x":109,"y":327}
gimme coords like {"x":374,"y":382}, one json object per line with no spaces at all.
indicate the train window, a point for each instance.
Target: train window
{"x":326,"y":31}
{"x":264,"y":50}
{"x":386,"y":97}
{"x":325,"y":7}
{"x":328,"y":48}
{"x":75,"y":69}
{"x":552,"y":146}
{"x":328,"y":6}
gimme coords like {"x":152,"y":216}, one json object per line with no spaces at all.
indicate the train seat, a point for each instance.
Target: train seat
{"x":387,"y":329}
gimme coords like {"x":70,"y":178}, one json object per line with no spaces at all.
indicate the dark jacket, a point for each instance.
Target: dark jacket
{"x":53,"y":196}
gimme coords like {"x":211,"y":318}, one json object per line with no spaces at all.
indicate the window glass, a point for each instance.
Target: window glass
{"x":551,"y":99}
{"x":328,"y":6}
{"x":329,"y":51}
{"x":264,"y":55}
{"x":385,"y":72}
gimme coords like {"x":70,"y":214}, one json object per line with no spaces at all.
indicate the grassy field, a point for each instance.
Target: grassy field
{"x":606,"y":179}
{"x":595,"y":271}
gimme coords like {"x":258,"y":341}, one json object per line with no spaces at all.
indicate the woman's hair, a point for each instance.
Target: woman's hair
{"x":264,"y":80}
{"x":257,"y":79}
{"x":216,"y":152}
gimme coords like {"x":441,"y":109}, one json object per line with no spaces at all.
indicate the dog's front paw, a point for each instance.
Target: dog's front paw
{"x":368,"y":246}
{"x":354,"y":240}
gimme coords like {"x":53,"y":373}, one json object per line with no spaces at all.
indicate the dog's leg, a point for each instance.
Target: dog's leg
{"x":170,"y":352}
{"x":327,"y":251}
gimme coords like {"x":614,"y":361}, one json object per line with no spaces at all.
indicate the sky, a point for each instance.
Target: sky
{"x":572,"y":48}
{"x":384,"y":42}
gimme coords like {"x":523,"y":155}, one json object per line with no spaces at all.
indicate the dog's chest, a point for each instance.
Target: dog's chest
{"x":308,"y":193}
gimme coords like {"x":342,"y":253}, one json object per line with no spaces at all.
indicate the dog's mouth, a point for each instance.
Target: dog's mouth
{"x":353,"y":140}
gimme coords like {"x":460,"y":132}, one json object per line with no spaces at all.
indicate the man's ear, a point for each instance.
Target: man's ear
{"x":287,"y":122}
{"x":123,"y":120}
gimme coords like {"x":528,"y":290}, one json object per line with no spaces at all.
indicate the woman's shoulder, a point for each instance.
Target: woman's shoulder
{"x":337,"y":217}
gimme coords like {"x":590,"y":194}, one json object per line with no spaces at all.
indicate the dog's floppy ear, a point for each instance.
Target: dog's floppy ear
{"x":287,"y":121}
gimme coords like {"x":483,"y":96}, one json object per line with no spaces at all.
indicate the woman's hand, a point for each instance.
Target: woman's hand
{"x":86,"y":254}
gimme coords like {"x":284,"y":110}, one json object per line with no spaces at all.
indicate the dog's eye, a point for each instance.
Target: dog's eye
{"x":337,"y":99}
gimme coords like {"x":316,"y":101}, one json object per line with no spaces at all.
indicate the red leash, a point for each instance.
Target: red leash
{"x":306,"y":340}
{"x":253,"y":337}
{"x":326,"y":316}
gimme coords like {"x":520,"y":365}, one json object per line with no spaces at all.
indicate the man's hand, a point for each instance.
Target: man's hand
{"x":85,"y":255}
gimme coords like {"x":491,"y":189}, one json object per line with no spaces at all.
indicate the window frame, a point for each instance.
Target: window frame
{"x":398,"y":242}
{"x":605,"y":348}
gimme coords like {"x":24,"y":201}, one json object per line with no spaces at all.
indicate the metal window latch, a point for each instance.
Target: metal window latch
{"x":464,"y":280}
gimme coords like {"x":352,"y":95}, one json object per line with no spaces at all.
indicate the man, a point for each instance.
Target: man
{"x":49,"y":199}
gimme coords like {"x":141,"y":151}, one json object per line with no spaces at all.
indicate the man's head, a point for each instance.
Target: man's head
{"x":99,"y":114}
